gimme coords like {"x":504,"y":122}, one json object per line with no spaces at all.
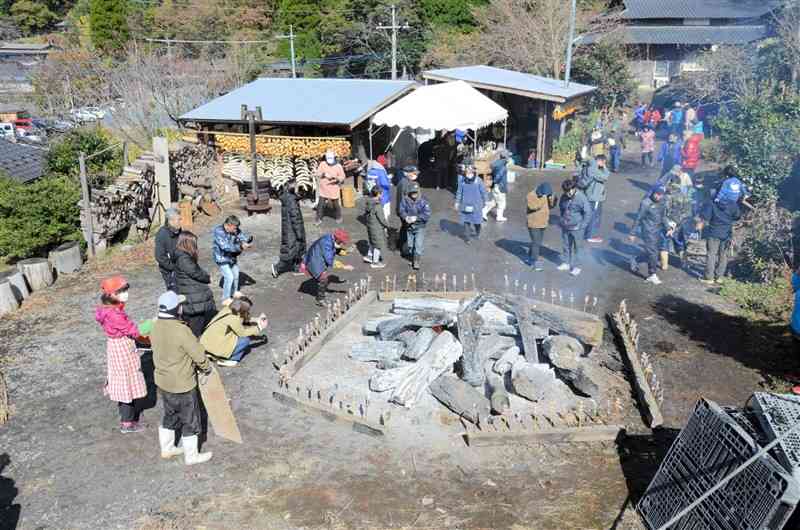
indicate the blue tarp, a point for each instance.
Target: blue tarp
{"x":491,"y":78}
{"x":343,"y":102}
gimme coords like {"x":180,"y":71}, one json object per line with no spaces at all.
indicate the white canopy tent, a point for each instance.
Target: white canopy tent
{"x":441,"y":107}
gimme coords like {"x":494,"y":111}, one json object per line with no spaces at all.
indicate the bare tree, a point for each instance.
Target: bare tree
{"x":787,"y":23}
{"x":725,"y":73}
{"x":532,"y":35}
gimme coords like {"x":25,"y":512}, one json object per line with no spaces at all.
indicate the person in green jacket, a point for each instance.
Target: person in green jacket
{"x":178,"y":357}
{"x":227,"y":336}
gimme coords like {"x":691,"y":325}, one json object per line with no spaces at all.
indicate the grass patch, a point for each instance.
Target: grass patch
{"x":771,"y":301}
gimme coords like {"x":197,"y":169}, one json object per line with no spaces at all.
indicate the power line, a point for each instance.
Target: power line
{"x":191,"y":41}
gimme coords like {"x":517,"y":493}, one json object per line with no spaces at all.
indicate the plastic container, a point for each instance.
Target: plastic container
{"x":348,"y":197}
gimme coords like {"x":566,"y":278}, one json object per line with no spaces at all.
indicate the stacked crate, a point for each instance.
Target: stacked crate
{"x":713,"y":444}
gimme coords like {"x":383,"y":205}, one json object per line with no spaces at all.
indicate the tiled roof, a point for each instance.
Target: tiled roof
{"x":742,"y":9}
{"x":20,"y":161}
{"x":687,"y":35}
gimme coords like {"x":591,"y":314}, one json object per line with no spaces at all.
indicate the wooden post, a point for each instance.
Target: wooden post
{"x":87,"y":206}
{"x":163,"y":188}
{"x":125,"y":155}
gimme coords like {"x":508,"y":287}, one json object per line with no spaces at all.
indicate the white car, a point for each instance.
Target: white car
{"x":7,"y":130}
{"x":82,"y":115}
{"x":97,"y":111}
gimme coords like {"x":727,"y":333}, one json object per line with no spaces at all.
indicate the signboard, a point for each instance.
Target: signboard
{"x":567,"y":109}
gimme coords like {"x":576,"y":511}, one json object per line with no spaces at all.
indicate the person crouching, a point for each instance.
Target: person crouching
{"x":228,"y":335}
{"x":178,"y":356}
{"x":320,"y":257}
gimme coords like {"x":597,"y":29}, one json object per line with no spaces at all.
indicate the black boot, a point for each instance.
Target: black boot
{"x":322,"y":291}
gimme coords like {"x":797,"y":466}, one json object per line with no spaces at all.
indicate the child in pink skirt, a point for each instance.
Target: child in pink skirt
{"x":125,"y":382}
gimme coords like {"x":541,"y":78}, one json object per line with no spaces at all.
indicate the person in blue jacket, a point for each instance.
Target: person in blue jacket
{"x":229,"y":242}
{"x":795,"y":324}
{"x":377,"y":176}
{"x":575,"y":215}
{"x":470,"y":199}
{"x":499,"y":169}
{"x":415,"y":211}
{"x":320,"y":257}
{"x":720,"y":216}
{"x":670,"y":154}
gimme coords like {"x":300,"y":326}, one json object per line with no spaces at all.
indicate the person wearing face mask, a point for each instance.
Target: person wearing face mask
{"x":179,"y":361}
{"x":125,"y":382}
{"x":331,"y":176}
{"x":575,"y":215}
{"x":321,"y":257}
{"x":471,"y":197}
{"x":540,"y":202}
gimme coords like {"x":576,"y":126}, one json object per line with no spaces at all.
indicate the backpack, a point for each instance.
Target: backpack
{"x":584,"y":179}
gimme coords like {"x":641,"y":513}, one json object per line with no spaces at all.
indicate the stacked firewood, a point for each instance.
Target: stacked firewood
{"x":123,"y":203}
{"x":192,"y":167}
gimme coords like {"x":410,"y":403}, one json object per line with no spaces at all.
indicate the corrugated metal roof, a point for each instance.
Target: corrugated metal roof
{"x":643,"y":9}
{"x":21,"y":162}
{"x":345,"y":102}
{"x":687,"y":35}
{"x":489,"y":77}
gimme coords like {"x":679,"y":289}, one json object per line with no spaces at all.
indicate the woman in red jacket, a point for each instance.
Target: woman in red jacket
{"x":691,"y":154}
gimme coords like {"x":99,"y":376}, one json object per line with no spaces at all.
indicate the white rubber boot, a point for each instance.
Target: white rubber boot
{"x":166,"y":439}
{"x":500,"y":217}
{"x":190,"y":454}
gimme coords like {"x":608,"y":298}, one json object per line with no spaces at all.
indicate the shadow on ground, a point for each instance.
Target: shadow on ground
{"x":9,"y":512}
{"x":764,"y":346}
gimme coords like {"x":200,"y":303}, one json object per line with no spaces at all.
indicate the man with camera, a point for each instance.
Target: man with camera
{"x":229,"y":242}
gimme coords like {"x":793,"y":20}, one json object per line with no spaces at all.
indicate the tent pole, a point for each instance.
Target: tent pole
{"x":505,"y":134}
{"x":370,"y":140}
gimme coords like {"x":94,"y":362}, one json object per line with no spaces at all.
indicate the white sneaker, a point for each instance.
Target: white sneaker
{"x":653,"y":279}
{"x":227,"y":362}
{"x":563,"y":267}
{"x":502,"y":219}
{"x":575,"y":271}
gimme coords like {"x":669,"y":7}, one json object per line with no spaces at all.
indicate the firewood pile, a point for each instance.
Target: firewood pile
{"x":127,"y":201}
{"x":280,"y":146}
{"x":192,"y":167}
{"x":473,"y":354}
{"x":277,"y":170}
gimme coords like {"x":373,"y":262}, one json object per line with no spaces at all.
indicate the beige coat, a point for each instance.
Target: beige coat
{"x":330,"y":180}
{"x":176,"y":352}
{"x":538,"y":211}
{"x":222,"y":333}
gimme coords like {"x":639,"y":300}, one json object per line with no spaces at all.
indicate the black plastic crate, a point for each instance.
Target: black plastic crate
{"x":777,"y":413}
{"x":711,"y":446}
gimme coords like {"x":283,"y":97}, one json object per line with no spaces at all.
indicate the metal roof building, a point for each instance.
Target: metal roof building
{"x":512,"y":82}
{"x":698,"y":9}
{"x":21,"y":162}
{"x":686,"y":35}
{"x":322,"y":102}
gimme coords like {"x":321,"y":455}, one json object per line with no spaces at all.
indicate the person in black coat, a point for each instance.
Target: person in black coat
{"x":194,"y":283}
{"x":293,"y":233}
{"x":166,"y":239}
{"x":720,"y":216}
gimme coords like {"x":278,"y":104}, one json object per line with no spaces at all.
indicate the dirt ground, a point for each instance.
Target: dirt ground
{"x":63,"y":463}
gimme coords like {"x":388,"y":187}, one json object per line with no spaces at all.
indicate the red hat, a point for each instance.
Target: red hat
{"x":341,"y":236}
{"x":382,"y":160}
{"x":113,"y":284}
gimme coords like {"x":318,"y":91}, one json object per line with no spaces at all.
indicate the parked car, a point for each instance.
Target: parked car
{"x":97,"y":111}
{"x":82,"y":115}
{"x":7,"y":130}
{"x":53,"y":124}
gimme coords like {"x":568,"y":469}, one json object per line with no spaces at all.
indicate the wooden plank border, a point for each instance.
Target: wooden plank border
{"x":627,"y":331}
{"x":349,"y":417}
{"x":594,"y":433}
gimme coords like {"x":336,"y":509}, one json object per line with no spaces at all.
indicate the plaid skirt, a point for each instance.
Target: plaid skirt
{"x":125,"y":381}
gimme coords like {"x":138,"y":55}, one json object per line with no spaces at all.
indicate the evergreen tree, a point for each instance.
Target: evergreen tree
{"x":108,"y":22}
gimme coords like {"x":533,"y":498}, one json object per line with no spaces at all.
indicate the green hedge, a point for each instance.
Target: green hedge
{"x":38,"y":216}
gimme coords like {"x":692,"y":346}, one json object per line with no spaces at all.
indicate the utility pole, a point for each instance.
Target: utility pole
{"x":290,"y":36}
{"x":88,"y":229}
{"x":571,"y":41}
{"x":394,"y":27}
